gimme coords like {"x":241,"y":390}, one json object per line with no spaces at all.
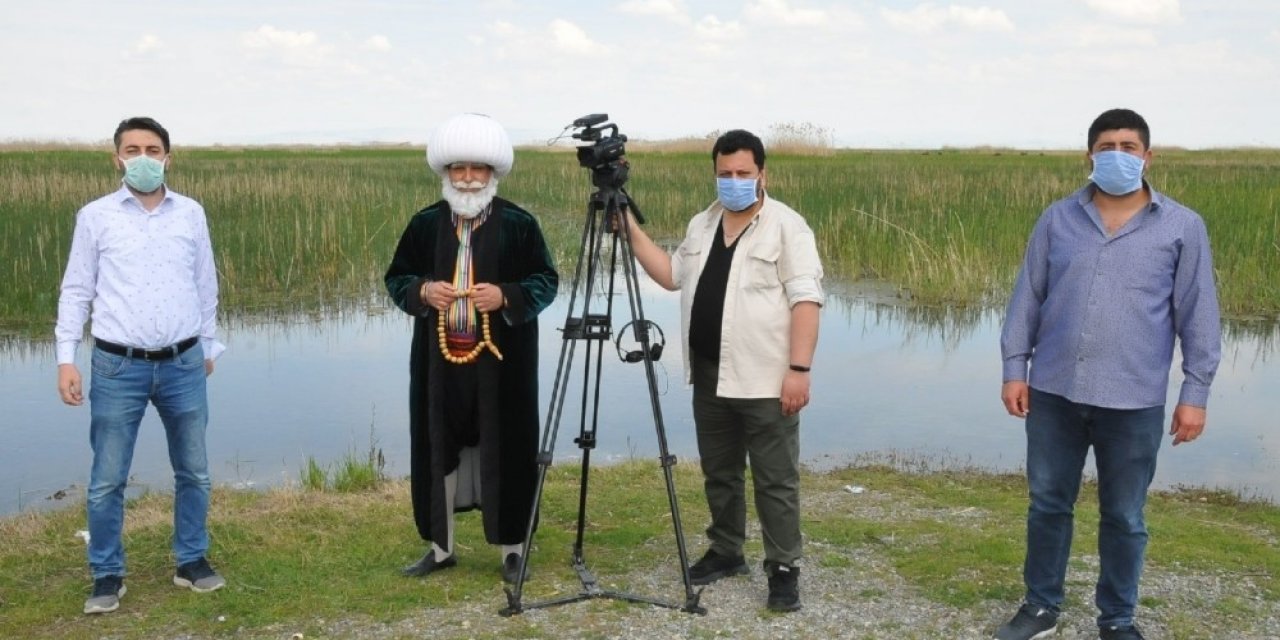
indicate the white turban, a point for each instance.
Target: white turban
{"x":470,"y":137}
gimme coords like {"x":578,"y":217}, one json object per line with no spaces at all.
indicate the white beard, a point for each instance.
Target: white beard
{"x":469,"y":204}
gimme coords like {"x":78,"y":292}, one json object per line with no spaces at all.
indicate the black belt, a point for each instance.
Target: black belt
{"x":150,"y":355}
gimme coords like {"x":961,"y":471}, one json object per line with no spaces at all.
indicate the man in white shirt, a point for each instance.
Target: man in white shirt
{"x":751,"y":288}
{"x":142,"y":262}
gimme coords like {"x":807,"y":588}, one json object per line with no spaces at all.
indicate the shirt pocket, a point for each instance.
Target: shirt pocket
{"x":760,"y":269}
{"x":1150,"y":270}
{"x":688,"y":260}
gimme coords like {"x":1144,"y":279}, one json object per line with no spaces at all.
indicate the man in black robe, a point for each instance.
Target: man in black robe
{"x":474,"y":271}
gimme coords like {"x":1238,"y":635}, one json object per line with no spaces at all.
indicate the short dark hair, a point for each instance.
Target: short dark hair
{"x":129,"y":124}
{"x":1114,"y":119}
{"x":737,"y":140}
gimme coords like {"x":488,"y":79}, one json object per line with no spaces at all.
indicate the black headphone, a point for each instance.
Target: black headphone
{"x":655,"y":349}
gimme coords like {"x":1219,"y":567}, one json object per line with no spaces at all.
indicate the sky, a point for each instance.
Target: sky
{"x":1028,"y":74}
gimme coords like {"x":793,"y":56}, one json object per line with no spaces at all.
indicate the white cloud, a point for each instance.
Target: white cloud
{"x":269,"y":37}
{"x":147,"y":44}
{"x":929,"y":18}
{"x":1139,"y":11}
{"x":504,"y":28}
{"x":1106,"y":35}
{"x":780,"y":12}
{"x":378,"y":43}
{"x":673,"y":10}
{"x":570,"y":38}
{"x":712,"y":28}
{"x":301,"y":48}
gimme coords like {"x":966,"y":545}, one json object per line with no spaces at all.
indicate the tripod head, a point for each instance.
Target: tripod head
{"x":605,"y":156}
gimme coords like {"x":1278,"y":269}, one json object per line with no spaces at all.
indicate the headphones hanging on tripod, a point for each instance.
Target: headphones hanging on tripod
{"x":637,"y":355}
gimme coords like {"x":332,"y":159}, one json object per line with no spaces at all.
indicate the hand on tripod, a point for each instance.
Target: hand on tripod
{"x":653,"y":259}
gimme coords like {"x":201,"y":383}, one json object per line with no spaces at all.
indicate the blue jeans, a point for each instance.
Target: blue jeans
{"x":120,"y":391}
{"x":1125,"y":442}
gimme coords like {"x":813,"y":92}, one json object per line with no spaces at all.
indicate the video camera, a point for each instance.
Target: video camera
{"x":604,"y":158}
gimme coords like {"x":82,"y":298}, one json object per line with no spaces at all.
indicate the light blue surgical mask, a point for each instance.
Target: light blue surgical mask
{"x":144,"y":173}
{"x":1116,"y":172}
{"x":737,"y":194}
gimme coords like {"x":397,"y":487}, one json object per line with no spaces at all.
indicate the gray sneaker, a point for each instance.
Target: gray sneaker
{"x":106,"y":595}
{"x":199,"y":577}
{"x":1032,"y":622}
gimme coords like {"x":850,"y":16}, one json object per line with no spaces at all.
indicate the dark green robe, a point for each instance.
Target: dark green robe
{"x":508,"y":250}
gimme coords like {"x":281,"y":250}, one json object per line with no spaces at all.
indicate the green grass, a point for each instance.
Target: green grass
{"x":299,"y":560}
{"x":315,"y":228}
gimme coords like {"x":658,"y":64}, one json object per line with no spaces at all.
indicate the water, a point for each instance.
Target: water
{"x":888,"y":380}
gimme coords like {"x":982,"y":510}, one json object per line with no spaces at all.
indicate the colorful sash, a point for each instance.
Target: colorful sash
{"x":461,"y":320}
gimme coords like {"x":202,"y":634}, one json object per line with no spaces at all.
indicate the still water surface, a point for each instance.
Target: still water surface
{"x":890,"y":380}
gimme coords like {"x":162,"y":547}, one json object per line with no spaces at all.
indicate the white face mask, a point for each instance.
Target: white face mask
{"x":144,"y":173}
{"x":469,"y":204}
{"x":1116,"y":172}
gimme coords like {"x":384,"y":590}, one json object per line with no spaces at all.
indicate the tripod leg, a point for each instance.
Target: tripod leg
{"x":564,"y":368}
{"x":595,"y":328}
{"x":666,"y":460}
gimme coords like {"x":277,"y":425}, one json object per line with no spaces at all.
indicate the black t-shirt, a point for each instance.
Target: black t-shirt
{"x":706,"y":318}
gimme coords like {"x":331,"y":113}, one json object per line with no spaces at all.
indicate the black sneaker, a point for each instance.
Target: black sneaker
{"x":714,"y":566}
{"x":1113,"y":632}
{"x":1030,"y":623}
{"x":784,"y":587}
{"x":106,"y":595}
{"x":198,"y":576}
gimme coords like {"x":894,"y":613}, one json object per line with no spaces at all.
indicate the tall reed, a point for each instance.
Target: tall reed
{"x":313,"y":228}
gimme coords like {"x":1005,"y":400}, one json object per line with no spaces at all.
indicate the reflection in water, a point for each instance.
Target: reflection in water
{"x":909,"y":383}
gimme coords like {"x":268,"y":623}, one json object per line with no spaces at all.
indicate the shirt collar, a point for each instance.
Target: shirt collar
{"x":124,"y":195}
{"x":1085,"y":195}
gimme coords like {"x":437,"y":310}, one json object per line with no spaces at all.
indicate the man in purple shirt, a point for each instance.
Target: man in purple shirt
{"x":1113,"y":274}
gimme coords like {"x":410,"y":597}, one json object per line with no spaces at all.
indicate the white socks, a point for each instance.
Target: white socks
{"x":450,"y":488}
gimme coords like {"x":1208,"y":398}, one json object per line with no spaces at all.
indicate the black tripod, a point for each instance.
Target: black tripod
{"x":582,"y":324}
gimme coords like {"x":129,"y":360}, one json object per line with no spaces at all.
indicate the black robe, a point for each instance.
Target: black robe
{"x":507,"y":250}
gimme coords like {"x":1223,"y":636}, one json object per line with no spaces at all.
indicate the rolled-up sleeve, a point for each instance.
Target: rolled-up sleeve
{"x":800,"y":267}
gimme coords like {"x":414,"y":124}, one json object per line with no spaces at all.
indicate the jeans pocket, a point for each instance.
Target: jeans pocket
{"x":192,"y":358}
{"x":108,"y":365}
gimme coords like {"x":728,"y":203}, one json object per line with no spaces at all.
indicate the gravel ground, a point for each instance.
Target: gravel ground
{"x":854,"y":594}
{"x":864,"y":600}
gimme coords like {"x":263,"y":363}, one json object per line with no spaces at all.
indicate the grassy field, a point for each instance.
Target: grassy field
{"x":314,"y":228}
{"x":323,"y":564}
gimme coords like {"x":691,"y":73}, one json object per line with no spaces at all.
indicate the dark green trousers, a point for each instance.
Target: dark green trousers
{"x":732,"y":431}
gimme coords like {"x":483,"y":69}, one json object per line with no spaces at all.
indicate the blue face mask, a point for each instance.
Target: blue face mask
{"x":144,"y":173}
{"x":1116,"y":172}
{"x":736,"y":194}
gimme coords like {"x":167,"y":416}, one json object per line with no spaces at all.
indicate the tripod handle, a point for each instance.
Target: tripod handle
{"x":627,"y":202}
